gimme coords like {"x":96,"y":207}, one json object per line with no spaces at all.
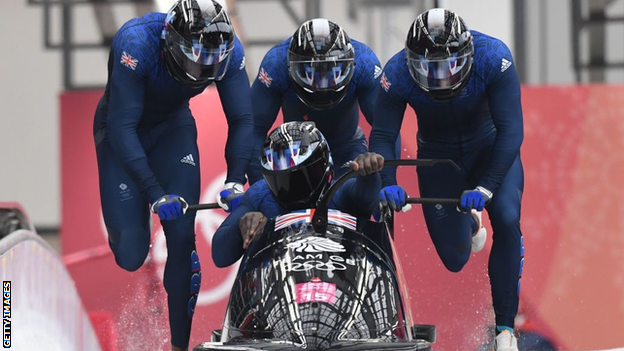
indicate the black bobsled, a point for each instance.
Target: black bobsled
{"x":322,"y":280}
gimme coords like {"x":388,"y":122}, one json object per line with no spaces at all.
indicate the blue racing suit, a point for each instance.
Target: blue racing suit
{"x":358,"y":197}
{"x":481,"y":129}
{"x":146,"y":145}
{"x":273,"y":89}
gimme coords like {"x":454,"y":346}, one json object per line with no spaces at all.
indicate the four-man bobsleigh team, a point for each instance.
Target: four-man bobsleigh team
{"x":461,"y":83}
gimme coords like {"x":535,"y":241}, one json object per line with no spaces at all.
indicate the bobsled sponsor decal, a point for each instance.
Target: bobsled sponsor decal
{"x":315,"y":292}
{"x":315,"y":244}
{"x":302,"y":263}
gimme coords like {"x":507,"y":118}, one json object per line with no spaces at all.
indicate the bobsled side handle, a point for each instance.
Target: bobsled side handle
{"x":432,"y":201}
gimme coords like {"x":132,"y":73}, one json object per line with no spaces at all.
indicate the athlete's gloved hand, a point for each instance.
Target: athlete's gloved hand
{"x":170,"y":207}
{"x":476,"y":198}
{"x":395,"y":197}
{"x":231,"y":196}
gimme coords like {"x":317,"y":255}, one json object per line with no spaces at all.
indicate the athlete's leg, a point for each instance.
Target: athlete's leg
{"x":450,"y":230}
{"x":126,"y":213}
{"x":182,"y":271}
{"x":507,"y":255}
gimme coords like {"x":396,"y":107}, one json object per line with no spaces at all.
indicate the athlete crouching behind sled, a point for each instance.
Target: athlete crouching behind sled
{"x":297,"y":168}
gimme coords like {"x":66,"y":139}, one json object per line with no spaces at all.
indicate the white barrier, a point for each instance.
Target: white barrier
{"x":46,"y":312}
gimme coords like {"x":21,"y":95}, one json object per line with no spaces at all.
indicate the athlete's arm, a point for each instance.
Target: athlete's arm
{"x":389,"y":111}
{"x":506,"y":109}
{"x":360,"y":196}
{"x":129,"y":70}
{"x":267,"y":99}
{"x":369,"y":70}
{"x":236,"y":101}
{"x":227,"y":242}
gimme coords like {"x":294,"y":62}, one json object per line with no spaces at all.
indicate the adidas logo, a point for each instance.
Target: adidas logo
{"x":377,"y":72}
{"x":188,"y":159}
{"x":505,"y":64}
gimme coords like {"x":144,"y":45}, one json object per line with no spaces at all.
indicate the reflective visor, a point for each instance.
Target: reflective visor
{"x":287,"y":158}
{"x":291,"y":186}
{"x":321,"y":74}
{"x":198,"y":61}
{"x":440,"y":73}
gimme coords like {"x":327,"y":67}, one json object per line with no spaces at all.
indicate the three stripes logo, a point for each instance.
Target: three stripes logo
{"x":188,"y":159}
{"x":505,"y":64}
{"x":377,"y":72}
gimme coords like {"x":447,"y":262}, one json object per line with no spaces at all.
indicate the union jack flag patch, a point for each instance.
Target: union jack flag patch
{"x":342,"y":219}
{"x":334,"y":217}
{"x":385,"y":83}
{"x":129,"y":61}
{"x":264,"y":77}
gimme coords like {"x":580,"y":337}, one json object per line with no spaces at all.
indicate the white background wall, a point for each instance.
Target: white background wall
{"x":32,"y":76}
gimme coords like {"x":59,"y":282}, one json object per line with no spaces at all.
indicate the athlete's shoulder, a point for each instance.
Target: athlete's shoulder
{"x":277,"y":55}
{"x":273,"y":71}
{"x":237,"y":61}
{"x":144,"y":30}
{"x":492,"y":56}
{"x":396,"y":65}
{"x":140,"y":36}
{"x":256,"y":193}
{"x":363,"y":53}
{"x":395,"y":78}
{"x":367,"y":65}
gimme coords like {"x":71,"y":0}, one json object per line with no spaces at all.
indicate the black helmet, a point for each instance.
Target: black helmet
{"x":296,"y":164}
{"x":197,"y":39}
{"x":321,"y":63}
{"x":439,"y":53}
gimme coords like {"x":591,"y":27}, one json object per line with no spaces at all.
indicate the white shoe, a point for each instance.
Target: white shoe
{"x":478,"y":237}
{"x":505,"y":341}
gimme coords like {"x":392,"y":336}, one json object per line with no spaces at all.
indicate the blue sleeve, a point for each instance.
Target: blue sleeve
{"x":359,"y":196}
{"x":266,"y":95}
{"x":369,"y":70}
{"x":227,"y":242}
{"x":235,"y":97}
{"x":125,"y":109}
{"x":389,"y":112}
{"x":506,"y":109}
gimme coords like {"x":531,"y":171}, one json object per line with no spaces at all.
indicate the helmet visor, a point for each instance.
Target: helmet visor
{"x":315,"y":75}
{"x":198,"y":61}
{"x":296,"y":185}
{"x":436,"y":73}
{"x":279,"y":159}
